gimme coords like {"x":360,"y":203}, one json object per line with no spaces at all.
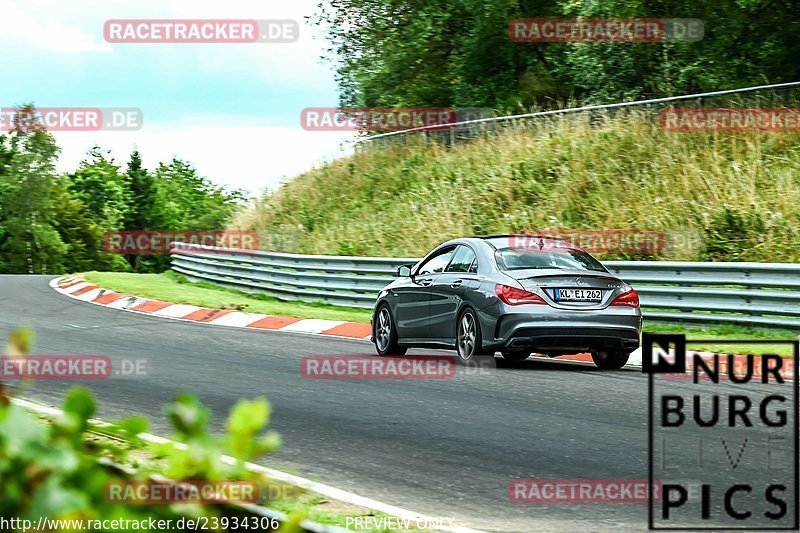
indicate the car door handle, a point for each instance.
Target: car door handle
{"x":457,"y":283}
{"x":426,"y":282}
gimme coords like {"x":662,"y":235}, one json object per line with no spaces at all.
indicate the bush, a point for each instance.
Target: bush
{"x":51,"y":468}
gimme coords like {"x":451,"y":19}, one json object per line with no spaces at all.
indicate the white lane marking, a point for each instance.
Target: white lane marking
{"x":237,"y":319}
{"x":312,"y":325}
{"x":177,"y":310}
{"x":301,"y":482}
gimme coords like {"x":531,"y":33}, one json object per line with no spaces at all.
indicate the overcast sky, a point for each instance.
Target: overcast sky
{"x":232,"y":110}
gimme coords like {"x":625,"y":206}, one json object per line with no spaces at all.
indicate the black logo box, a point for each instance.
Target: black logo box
{"x":679,"y":343}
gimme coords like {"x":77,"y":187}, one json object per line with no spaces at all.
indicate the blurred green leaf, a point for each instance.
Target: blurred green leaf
{"x":133,"y":426}
{"x":20,"y":341}
{"x":55,"y":499}
{"x":189,"y":418}
{"x":19,"y":430}
{"x":80,"y":402}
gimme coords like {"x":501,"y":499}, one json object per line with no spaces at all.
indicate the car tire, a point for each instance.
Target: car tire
{"x":469,"y":347}
{"x":610,"y":359}
{"x":384,"y":333}
{"x":515,"y":356}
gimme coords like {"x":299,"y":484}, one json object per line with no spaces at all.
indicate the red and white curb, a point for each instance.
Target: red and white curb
{"x":79,"y":289}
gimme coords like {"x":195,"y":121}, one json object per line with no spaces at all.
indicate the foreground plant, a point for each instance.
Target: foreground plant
{"x":52,"y":468}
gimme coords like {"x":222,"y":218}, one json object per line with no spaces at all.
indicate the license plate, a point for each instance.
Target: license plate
{"x":579,"y":295}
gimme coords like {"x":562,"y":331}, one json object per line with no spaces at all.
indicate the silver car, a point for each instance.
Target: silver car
{"x":516,"y":294}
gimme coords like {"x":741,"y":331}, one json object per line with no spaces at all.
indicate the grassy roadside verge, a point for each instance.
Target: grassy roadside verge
{"x":310,"y":505}
{"x":724,"y":332}
{"x":172,"y":287}
{"x":139,"y":456}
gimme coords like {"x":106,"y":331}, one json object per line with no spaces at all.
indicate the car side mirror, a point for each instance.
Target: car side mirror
{"x":404,"y":271}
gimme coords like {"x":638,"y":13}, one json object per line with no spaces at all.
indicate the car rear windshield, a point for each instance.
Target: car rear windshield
{"x":525,"y":258}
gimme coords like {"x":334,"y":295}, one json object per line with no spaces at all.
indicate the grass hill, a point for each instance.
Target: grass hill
{"x":720,"y":196}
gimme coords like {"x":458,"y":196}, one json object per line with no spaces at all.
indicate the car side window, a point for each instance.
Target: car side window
{"x":437,"y":263}
{"x":463,"y":260}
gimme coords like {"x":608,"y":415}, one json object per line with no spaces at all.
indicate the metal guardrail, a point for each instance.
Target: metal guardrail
{"x":337,"y":280}
{"x":759,"y":294}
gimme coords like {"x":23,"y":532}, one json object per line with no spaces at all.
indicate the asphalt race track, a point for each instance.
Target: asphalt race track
{"x":440,"y":447}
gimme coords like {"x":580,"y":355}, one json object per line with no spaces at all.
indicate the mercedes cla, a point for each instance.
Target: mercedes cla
{"x":516,"y":294}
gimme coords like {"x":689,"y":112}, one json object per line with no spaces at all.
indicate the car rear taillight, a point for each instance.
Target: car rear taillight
{"x":630,"y":298}
{"x":514,"y":296}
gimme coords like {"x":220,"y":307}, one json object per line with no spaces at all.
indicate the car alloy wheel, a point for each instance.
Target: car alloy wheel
{"x":467,"y":332}
{"x":385,"y":334}
{"x":383,"y":329}
{"x":469,"y":342}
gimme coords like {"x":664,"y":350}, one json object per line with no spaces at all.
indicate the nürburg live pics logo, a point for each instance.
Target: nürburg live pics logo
{"x":722,"y":434}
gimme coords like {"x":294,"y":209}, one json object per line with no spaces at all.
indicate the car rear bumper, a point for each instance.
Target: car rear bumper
{"x":566,"y":340}
{"x":567,"y":332}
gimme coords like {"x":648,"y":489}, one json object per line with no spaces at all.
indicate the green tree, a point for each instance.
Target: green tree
{"x":175,"y":198}
{"x":30,"y":243}
{"x":186,"y":201}
{"x":100,"y":185}
{"x":84,"y":238}
{"x":51,"y":223}
{"x":459,"y":54}
{"x":143,"y":197}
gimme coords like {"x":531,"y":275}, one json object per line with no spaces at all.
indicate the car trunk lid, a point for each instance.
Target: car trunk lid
{"x":570,"y":288}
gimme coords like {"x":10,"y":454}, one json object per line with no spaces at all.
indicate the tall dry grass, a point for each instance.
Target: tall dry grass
{"x":734,"y":196}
